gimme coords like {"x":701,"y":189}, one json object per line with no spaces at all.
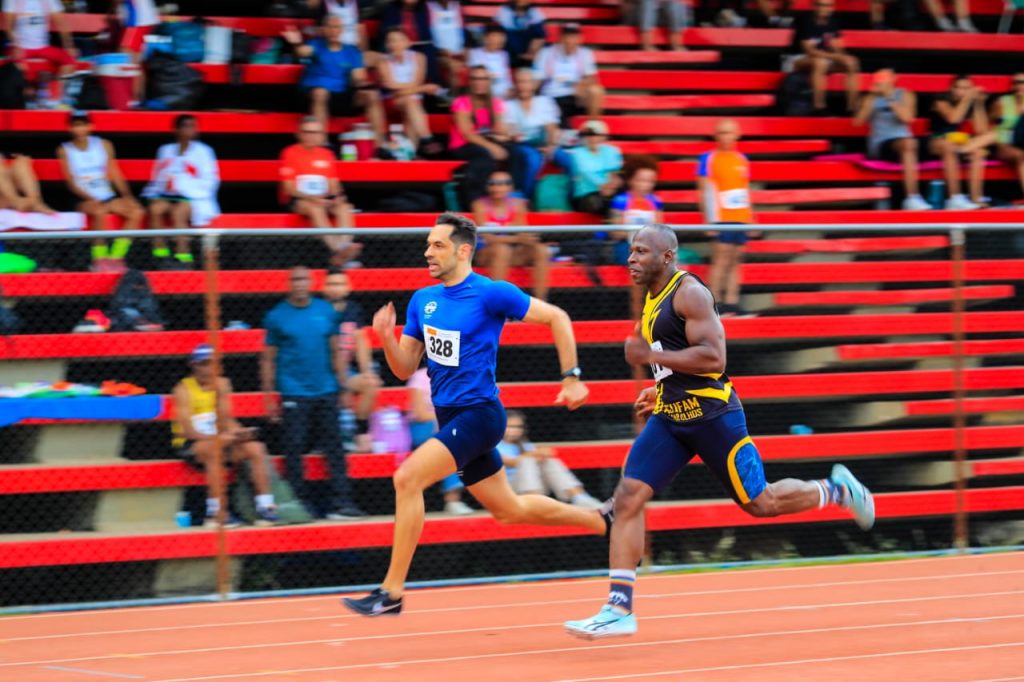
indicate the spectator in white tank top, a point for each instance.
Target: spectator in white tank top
{"x":403,"y":74}
{"x":494,"y":58}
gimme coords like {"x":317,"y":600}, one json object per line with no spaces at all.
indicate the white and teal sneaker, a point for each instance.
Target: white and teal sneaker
{"x":861,"y":503}
{"x":607,"y":623}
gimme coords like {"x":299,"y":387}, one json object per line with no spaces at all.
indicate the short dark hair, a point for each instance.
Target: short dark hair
{"x":638,"y":162}
{"x":463,"y":229}
{"x":181,"y":119}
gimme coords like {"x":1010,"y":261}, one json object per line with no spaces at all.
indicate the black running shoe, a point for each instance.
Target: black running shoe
{"x":377,"y":603}
{"x":608,"y":514}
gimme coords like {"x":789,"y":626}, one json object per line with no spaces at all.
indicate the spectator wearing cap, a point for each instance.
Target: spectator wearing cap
{"x":302,"y":373}
{"x":568,"y":74}
{"x":202,"y":416}
{"x":183,"y":191}
{"x":594,"y":167}
{"x":27,"y":24}
{"x":493,"y":57}
{"x":91,"y":172}
{"x":525,"y":26}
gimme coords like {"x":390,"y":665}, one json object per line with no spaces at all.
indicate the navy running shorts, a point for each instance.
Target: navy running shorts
{"x":664,"y":447}
{"x":471,"y":433}
{"x":738,"y":237}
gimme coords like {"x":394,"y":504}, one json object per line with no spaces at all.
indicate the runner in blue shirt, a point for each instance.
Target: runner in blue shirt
{"x":458,"y":324}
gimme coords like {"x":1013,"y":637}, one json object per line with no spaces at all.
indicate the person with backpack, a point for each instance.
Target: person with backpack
{"x":568,"y":73}
{"x":91,"y":172}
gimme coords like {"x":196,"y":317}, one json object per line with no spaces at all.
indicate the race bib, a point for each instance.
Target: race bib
{"x":634,"y":217}
{"x":734,"y":198}
{"x":205,"y":424}
{"x":442,"y":346}
{"x":311,"y":185}
{"x":659,"y":371}
{"x":565,"y":71}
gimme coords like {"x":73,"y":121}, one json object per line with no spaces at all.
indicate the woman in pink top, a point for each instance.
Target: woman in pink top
{"x":478,"y":135}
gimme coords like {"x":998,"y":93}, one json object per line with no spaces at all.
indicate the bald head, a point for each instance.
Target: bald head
{"x":652,"y":255}
{"x":660,"y":237}
{"x":727,"y":132}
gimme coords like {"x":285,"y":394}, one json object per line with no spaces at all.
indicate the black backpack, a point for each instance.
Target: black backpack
{"x":171,"y":84}
{"x":134,"y":306}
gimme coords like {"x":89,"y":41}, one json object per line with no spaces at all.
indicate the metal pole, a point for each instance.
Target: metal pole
{"x":211,"y":266}
{"x":960,"y":539}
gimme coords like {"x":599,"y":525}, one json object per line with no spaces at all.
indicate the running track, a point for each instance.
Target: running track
{"x":953,"y":618}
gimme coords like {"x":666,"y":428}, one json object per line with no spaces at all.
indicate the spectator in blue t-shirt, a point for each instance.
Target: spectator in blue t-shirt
{"x":594,"y":167}
{"x":335,"y":79}
{"x":300,"y":370}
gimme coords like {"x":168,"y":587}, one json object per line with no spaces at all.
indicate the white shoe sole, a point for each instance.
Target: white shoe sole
{"x":590,"y":636}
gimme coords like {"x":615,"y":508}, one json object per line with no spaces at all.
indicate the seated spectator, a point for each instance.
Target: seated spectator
{"x":493,"y":57}
{"x":962,"y":10}
{"x":335,"y":79}
{"x":133,"y":21}
{"x":675,"y":14}
{"x":449,"y":38}
{"x":478,"y":135}
{"x":637,"y":205}
{"x":818,"y":49}
{"x":532,"y":122}
{"x":310,"y":187}
{"x":959,"y":129}
{"x":27,"y":24}
{"x":352,"y":32}
{"x":413,"y":17}
{"x":355,"y":354}
{"x":594,"y":167}
{"x":568,"y":74}
{"x":498,"y":252}
{"x":538,"y":471}
{"x":422,"y":427}
{"x":723,"y":195}
{"x":200,"y":399}
{"x":403,"y":75}
{"x":183,"y":191}
{"x":19,"y":186}
{"x":733,"y":13}
{"x":525,"y":30}
{"x":93,"y":176}
{"x":1006,"y":111}
{"x":890,"y":111}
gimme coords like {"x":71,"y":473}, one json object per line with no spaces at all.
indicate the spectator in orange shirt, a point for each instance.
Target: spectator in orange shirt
{"x":311,"y":188}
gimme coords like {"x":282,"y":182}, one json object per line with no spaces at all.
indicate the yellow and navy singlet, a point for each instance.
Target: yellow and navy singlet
{"x":681,"y":397}
{"x":203,"y":406}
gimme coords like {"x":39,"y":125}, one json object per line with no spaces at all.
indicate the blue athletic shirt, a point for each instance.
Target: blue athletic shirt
{"x":460,"y":326}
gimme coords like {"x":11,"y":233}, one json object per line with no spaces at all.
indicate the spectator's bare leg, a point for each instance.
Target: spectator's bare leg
{"x":9,"y":197}
{"x":181,"y":214}
{"x":1013,"y":156}
{"x":417,"y":125}
{"x":961,"y":9}
{"x":907,"y":149}
{"x":541,"y":261}
{"x":592,"y":97}
{"x":716,"y":274}
{"x":343,"y":248}
{"x":819,"y":74}
{"x":319,"y":99}
{"x":676,"y":23}
{"x":876,"y":12}
{"x":734,"y":261}
{"x":648,"y":16}
{"x":934,"y":8}
{"x":497,"y":258}
{"x":369,"y":101}
{"x":950,"y":163}
{"x":204,"y":452}
{"x":158,"y":208}
{"x":255,"y":453}
{"x":977,"y":174}
{"x":851,"y":65}
{"x":27,"y":184}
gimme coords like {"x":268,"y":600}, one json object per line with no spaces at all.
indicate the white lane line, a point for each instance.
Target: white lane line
{"x":690,"y":640}
{"x":641,"y":598}
{"x":804,"y":661}
{"x":887,"y":565}
{"x":98,"y":673}
{"x":492,"y":628}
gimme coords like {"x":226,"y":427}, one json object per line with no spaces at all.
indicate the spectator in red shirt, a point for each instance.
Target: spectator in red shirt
{"x":310,"y":187}
{"x":27,"y":23}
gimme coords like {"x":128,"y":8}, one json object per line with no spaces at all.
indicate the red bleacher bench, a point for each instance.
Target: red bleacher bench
{"x":696,"y":147}
{"x":785,"y":197}
{"x":680,"y":102}
{"x":924,"y":349}
{"x":888,"y":297}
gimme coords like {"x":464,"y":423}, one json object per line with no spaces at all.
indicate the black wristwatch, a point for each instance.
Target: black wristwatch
{"x":574,"y":372}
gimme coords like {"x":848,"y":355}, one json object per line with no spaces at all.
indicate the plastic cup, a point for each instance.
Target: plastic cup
{"x":183,"y":519}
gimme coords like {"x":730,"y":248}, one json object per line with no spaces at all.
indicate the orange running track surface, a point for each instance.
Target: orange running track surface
{"x":950,"y":618}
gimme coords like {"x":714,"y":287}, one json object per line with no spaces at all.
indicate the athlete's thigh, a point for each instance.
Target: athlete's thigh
{"x":658,"y":454}
{"x":494,"y":492}
{"x":727,"y":449}
{"x":428,"y":463}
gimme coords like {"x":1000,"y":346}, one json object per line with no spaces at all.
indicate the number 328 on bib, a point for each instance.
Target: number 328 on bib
{"x":442,"y":346}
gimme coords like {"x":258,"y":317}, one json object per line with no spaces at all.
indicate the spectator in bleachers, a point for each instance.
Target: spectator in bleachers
{"x":335,"y":79}
{"x":19,"y":186}
{"x":723,"y":194}
{"x":494,"y":58}
{"x":27,"y":24}
{"x":302,"y":374}
{"x":183,"y":191}
{"x":133,"y":20}
{"x":733,"y":13}
{"x":537,"y":470}
{"x":448,"y":35}
{"x":594,"y":167}
{"x":959,"y":128}
{"x":413,"y":17}
{"x":675,"y":16}
{"x":637,"y":205}
{"x":91,"y":172}
{"x":422,"y":427}
{"x":198,"y":398}
{"x":568,"y":74}
{"x":532,"y":122}
{"x":352,"y":32}
{"x":361,"y":380}
{"x":890,"y":111}
{"x":962,"y":10}
{"x":525,"y":28}
{"x":1007,"y":111}
{"x":478,"y":135}
{"x":311,"y":188}
{"x":818,"y":49}
{"x":403,"y":75}
{"x":498,"y":252}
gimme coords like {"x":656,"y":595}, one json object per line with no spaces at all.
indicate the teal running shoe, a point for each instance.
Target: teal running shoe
{"x":607,"y":623}
{"x":860,"y":500}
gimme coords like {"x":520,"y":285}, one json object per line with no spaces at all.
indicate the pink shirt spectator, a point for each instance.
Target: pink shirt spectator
{"x":481,"y":119}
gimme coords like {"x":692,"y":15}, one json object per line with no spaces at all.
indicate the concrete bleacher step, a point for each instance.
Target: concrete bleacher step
{"x":944,"y":473}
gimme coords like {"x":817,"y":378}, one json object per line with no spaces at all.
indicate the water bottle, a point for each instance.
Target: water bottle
{"x":937,"y":194}
{"x":348,"y":146}
{"x":401,"y":146}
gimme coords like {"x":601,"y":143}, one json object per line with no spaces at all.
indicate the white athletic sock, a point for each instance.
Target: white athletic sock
{"x":822,"y":495}
{"x":264,"y":501}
